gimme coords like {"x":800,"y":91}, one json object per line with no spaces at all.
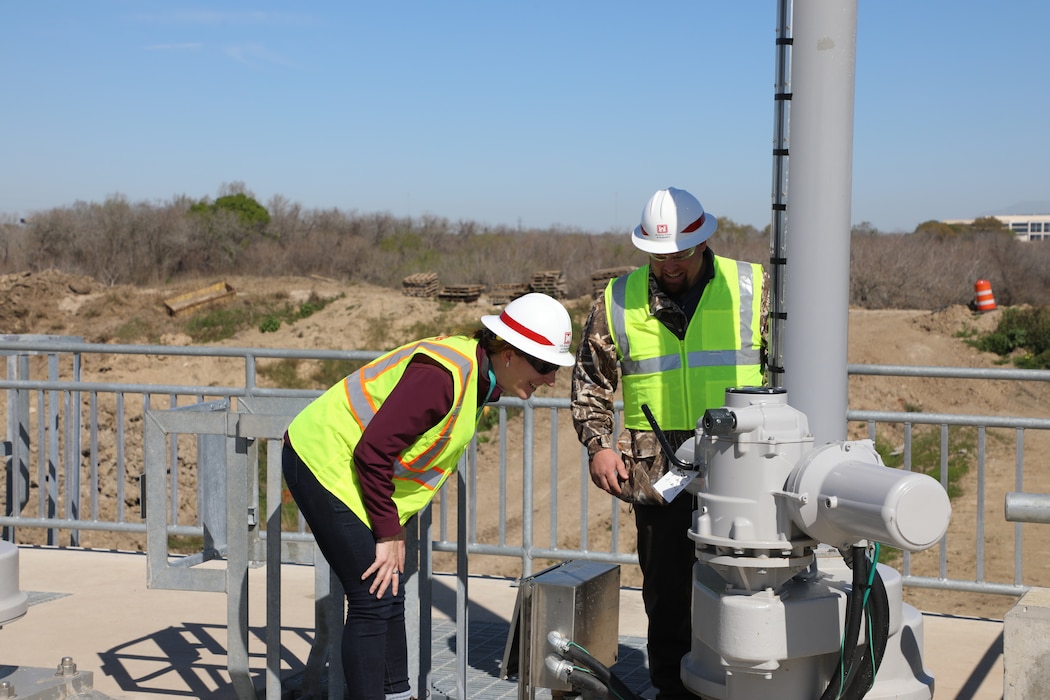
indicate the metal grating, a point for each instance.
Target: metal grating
{"x":487,"y":642}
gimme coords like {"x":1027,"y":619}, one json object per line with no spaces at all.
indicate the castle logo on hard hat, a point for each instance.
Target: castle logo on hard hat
{"x":661,"y":228}
{"x":565,"y":342}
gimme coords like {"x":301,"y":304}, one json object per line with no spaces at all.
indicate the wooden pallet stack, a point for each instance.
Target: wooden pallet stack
{"x":506,"y":292}
{"x":463,"y":293}
{"x":549,"y":282}
{"x":421,"y":284}
{"x":600,"y":278}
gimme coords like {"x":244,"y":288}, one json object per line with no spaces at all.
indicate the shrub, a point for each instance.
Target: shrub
{"x":270,"y":324}
{"x":218,"y":324}
{"x":1021,"y":329}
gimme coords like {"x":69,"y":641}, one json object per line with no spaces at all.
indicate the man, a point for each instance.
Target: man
{"x":679,"y":331}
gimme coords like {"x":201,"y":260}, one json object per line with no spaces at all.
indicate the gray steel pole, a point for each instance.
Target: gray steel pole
{"x":818,"y":213}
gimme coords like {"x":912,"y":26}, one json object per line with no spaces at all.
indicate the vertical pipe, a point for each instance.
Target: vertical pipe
{"x":53,"y":458}
{"x":19,"y":428}
{"x":41,"y":461}
{"x":1018,"y":486}
{"x":463,"y":502}
{"x":273,"y":569}
{"x":585,"y":505}
{"x":981,"y":491}
{"x":778,"y":225}
{"x":528,"y":483}
{"x":120,"y":420}
{"x":93,"y":412}
{"x":552,"y":498}
{"x":425,"y":542}
{"x":906,"y":563}
{"x":72,"y":452}
{"x":472,"y":513}
{"x":173,"y":474}
{"x":238,"y":456}
{"x":414,"y":623}
{"x":816,"y":285}
{"x":502,"y":476}
{"x":943,"y":561}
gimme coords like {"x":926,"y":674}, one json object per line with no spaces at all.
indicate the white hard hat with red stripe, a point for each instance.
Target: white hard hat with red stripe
{"x":673,"y":220}
{"x":535,"y":324}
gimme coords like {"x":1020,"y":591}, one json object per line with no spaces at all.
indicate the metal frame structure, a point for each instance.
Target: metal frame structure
{"x":235,"y":426}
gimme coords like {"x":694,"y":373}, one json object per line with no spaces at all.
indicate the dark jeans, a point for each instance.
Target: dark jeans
{"x":666,"y":556}
{"x":375,"y":651}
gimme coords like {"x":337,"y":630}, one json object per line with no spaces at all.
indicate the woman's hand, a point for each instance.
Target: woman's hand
{"x":388,"y":566}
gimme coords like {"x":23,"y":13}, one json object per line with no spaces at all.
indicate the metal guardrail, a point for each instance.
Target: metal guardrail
{"x":979,"y":584}
{"x":61,"y":428}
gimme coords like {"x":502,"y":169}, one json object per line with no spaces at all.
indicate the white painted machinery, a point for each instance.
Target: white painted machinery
{"x":777,"y":613}
{"x":13,"y":602}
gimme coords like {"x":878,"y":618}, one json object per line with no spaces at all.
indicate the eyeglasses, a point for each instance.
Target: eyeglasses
{"x":541,"y":366}
{"x":683,"y":255}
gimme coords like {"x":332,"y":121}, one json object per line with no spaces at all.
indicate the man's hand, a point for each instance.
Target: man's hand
{"x":608,"y":471}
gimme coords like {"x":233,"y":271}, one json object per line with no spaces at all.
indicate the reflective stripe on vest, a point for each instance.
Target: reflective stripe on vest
{"x":681,"y":379}
{"x":327,"y":431}
{"x":409,"y":466}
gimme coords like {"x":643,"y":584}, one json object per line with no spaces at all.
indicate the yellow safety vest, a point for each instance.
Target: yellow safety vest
{"x":325,"y":433}
{"x":680,"y":379}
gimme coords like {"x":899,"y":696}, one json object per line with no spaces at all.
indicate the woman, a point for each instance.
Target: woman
{"x":371,"y":452}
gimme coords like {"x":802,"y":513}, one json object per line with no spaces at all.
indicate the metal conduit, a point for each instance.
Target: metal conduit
{"x":777,"y":242}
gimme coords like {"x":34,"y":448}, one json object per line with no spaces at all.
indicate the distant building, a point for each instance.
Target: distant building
{"x":1027,"y":227}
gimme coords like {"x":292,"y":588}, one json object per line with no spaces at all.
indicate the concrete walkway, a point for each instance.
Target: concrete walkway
{"x":137,"y":643}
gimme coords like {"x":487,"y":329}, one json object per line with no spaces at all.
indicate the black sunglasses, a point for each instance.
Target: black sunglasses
{"x":541,"y":366}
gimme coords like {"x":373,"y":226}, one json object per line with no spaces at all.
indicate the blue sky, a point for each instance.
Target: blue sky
{"x":522,"y":114}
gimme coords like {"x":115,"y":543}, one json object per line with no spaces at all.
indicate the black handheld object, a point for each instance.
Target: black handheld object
{"x":664,"y":444}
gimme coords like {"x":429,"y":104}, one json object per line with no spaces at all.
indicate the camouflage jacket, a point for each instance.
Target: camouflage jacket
{"x":596,"y":379}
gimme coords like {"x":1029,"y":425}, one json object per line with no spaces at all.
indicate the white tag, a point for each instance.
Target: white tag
{"x":671,"y":484}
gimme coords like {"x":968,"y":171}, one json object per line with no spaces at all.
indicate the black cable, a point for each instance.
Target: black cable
{"x":616,"y":686}
{"x":854,"y":616}
{"x":858,"y":595}
{"x":862,"y":675}
{"x":582,"y":679}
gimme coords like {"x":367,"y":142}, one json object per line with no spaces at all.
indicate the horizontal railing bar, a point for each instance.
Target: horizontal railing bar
{"x":107,"y":525}
{"x":68,"y":524}
{"x":949,"y":584}
{"x":996,"y":373}
{"x":53,"y":346}
{"x":112,"y":387}
{"x":948,"y":419}
{"x":1027,"y":507}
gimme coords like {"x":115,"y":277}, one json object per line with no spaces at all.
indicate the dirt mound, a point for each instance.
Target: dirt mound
{"x":30,"y":303}
{"x":959,"y":321}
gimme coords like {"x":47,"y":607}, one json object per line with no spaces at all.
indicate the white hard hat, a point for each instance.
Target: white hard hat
{"x":535,"y":324}
{"x":673,"y":220}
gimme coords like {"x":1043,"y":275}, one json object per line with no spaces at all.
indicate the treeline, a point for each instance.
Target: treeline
{"x":120,"y":242}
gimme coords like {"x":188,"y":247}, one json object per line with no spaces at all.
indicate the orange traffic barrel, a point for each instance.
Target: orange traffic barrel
{"x":985,"y":300}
